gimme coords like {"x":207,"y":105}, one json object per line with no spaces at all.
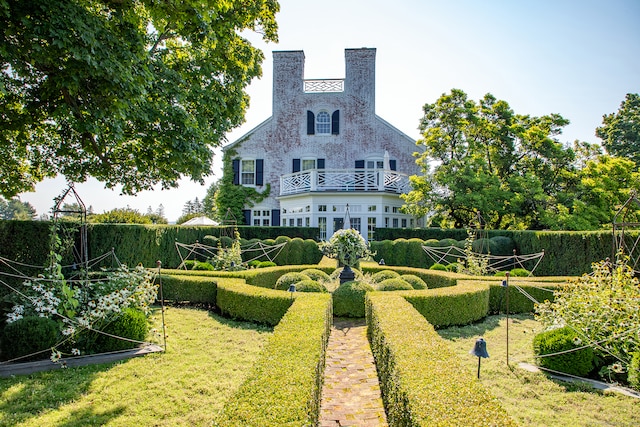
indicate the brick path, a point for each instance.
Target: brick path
{"x":351,"y":392}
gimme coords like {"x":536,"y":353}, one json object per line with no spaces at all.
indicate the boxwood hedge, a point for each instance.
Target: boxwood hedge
{"x":422,"y":381}
{"x":284,"y":387}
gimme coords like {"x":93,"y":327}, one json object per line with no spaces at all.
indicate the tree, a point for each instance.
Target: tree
{"x":121,"y":216}
{"x":620,"y":132}
{"x":16,"y":209}
{"x":133,"y":92}
{"x":209,"y":202}
{"x":484,"y":157}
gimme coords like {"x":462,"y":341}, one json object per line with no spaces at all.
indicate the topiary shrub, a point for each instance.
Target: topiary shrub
{"x":438,"y":266}
{"x":519,"y":272}
{"x":131,"y":324}
{"x":310,"y":285}
{"x":383,"y":275}
{"x":634,"y":371}
{"x":316,"y":274}
{"x":263,"y":264}
{"x":414,"y":281}
{"x":502,"y":245}
{"x":28,"y":336}
{"x":396,"y":284}
{"x":203,"y":266}
{"x":453,"y":267}
{"x":579,"y":362}
{"x":348,"y":299}
{"x":288,"y":279}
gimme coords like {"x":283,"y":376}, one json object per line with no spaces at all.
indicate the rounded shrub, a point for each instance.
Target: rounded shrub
{"x":579,"y":362}
{"x":27,"y":336}
{"x":453,"y":267}
{"x":296,"y":251}
{"x":443,"y":243}
{"x":519,"y":272}
{"x":502,"y":245}
{"x":312,"y":253}
{"x":383,"y":275}
{"x":263,"y":264}
{"x":438,"y":266}
{"x":481,"y":246}
{"x":131,"y":324}
{"x":396,"y":284}
{"x":348,"y":299}
{"x":310,"y":285}
{"x":316,"y":274}
{"x":205,"y":266}
{"x":289,"y":279}
{"x":414,"y":281}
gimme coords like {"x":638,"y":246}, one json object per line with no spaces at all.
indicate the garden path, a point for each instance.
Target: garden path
{"x":351,"y":391}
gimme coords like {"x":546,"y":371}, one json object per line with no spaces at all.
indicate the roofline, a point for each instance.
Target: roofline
{"x":246,"y":135}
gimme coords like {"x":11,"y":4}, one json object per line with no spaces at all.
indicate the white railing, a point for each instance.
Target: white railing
{"x":326,"y":85}
{"x":344,"y":180}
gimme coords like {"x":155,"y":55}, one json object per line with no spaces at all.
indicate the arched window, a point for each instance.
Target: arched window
{"x":323,"y":123}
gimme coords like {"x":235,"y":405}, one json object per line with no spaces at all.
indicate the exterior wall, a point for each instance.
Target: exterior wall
{"x":362,"y":134}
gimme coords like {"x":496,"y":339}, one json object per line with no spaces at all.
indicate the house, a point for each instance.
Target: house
{"x":325,"y":153}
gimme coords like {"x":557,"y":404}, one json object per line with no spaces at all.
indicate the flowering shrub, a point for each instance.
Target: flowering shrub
{"x":347,"y":246}
{"x":89,"y":304}
{"x":602,"y":309}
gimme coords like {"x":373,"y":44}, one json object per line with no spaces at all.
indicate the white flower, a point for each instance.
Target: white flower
{"x":75,"y":352}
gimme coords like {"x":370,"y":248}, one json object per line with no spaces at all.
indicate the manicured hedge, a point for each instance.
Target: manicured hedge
{"x":422,"y":380}
{"x":518,"y":302}
{"x":246,"y":302}
{"x":285,"y":385}
{"x":194,"y":289}
{"x":457,"y":305}
{"x":433,"y":278}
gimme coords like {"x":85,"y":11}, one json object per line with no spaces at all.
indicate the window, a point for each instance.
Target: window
{"x":323,"y":123}
{"x":386,"y":208}
{"x":396,"y":209}
{"x":395,"y":222}
{"x":307,"y":221}
{"x":322,"y":208}
{"x":372,"y":208}
{"x":299,"y":222}
{"x":265,"y":222}
{"x":371,"y":227}
{"x":375,"y":164}
{"x":308,"y":164}
{"x":256,"y":222}
{"x":248,"y":172}
{"x":291,"y":222}
{"x":404,"y":223}
{"x":355,"y":224}
{"x":322,"y":225}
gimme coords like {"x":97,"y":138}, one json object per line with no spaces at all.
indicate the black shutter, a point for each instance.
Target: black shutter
{"x":320,"y":163}
{"x":392,"y":164}
{"x":275,"y":217}
{"x":311,"y":123}
{"x":246,"y":214}
{"x":259,"y":172}
{"x":236,"y":171}
{"x":335,"y":122}
{"x":296,"y":165}
{"x":359,"y":164}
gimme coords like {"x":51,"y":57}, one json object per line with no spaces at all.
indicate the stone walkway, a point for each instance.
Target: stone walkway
{"x":351,"y":392}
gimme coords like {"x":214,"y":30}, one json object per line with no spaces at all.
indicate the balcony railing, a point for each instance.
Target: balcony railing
{"x":344,"y":180}
{"x":326,"y":85}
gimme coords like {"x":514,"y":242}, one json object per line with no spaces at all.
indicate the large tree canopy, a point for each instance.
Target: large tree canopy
{"x":483,"y":157}
{"x":620,"y":132}
{"x":131,"y":92}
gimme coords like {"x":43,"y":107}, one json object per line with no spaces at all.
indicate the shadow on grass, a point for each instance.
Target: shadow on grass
{"x":239,"y":324}
{"x":25,"y":397}
{"x":479,"y":328}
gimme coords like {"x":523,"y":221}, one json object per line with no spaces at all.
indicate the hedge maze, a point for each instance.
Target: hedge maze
{"x":421,"y":381}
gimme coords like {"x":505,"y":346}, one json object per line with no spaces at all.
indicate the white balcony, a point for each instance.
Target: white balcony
{"x":323,"y":180}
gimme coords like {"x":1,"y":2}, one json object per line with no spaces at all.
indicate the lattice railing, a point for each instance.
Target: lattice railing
{"x":344,"y":180}
{"x":333,"y":85}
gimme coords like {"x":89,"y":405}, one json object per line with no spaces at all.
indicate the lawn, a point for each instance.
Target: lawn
{"x":207,"y":358}
{"x":533,"y":399}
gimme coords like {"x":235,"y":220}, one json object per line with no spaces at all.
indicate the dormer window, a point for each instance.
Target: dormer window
{"x":323,"y":123}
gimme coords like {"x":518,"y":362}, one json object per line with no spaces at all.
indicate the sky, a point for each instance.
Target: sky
{"x":576,"y":58}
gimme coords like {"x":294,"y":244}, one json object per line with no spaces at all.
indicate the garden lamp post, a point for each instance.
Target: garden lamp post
{"x":479,"y":350}
{"x":292,"y":289}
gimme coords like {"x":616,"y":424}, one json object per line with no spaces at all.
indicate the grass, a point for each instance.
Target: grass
{"x":207,"y":359}
{"x":533,"y":399}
